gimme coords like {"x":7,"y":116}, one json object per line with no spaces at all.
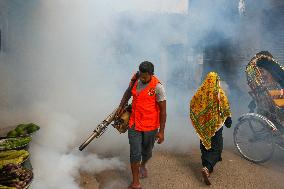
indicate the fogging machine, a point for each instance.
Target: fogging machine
{"x":120,"y":122}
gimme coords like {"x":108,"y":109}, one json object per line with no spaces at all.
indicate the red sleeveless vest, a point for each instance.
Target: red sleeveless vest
{"x":145,"y":109}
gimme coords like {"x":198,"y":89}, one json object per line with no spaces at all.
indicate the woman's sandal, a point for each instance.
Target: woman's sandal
{"x":205,"y":174}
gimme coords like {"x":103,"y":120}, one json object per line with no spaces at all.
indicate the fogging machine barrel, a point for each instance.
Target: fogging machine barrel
{"x":92,"y":137}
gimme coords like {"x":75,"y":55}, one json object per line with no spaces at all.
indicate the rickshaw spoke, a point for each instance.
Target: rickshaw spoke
{"x":251,"y":127}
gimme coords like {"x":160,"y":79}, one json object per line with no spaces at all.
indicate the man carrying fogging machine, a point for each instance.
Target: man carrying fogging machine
{"x":147,"y":119}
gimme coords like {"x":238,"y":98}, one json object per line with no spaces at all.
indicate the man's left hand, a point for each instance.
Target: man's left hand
{"x":160,"y":137}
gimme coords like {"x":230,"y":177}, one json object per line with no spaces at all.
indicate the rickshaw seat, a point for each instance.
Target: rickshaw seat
{"x":276,"y":96}
{"x":275,"y":93}
{"x":279,"y":102}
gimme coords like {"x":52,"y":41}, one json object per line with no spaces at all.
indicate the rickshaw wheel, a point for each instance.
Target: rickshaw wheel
{"x":254,"y":140}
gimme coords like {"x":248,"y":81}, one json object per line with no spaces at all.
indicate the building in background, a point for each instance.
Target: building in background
{"x":273,"y":29}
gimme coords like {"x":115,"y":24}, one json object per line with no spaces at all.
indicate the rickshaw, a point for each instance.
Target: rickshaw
{"x":258,"y":132}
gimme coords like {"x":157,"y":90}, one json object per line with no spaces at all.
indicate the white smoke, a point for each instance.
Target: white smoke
{"x":55,"y":157}
{"x":165,"y":6}
{"x":60,"y":170}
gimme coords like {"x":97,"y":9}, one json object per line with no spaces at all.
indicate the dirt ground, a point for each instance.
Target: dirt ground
{"x":180,"y":171}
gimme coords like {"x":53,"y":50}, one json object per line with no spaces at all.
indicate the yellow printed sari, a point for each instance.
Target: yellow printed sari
{"x":209,"y":108}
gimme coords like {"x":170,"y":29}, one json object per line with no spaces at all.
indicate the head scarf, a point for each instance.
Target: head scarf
{"x":209,"y":108}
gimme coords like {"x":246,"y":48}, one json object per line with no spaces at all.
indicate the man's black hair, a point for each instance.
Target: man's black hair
{"x":146,"y":67}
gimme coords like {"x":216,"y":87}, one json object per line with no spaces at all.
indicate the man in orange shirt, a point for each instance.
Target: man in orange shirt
{"x":147,"y":119}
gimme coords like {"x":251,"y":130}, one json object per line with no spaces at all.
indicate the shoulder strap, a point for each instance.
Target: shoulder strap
{"x":134,"y":79}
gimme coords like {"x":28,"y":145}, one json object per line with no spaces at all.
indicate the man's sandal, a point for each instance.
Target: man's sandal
{"x":205,"y":174}
{"x":131,"y":187}
{"x":143,"y":173}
